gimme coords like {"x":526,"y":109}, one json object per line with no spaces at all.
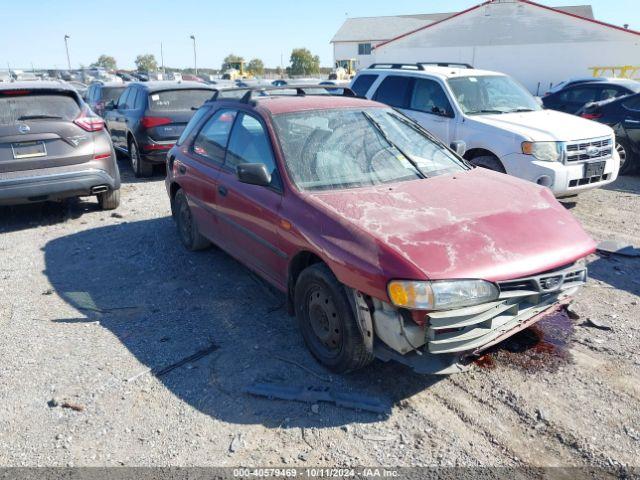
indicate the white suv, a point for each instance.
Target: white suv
{"x":502,"y":124}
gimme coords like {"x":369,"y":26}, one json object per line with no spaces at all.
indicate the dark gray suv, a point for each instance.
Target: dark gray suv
{"x":53,"y":147}
{"x":149,"y":117}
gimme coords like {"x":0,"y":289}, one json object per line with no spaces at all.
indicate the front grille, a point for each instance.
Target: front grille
{"x":472,"y":328}
{"x":589,"y":150}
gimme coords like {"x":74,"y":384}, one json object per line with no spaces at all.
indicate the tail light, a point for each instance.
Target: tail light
{"x":591,"y":116}
{"x":150,"y":122}
{"x":88,"y":123}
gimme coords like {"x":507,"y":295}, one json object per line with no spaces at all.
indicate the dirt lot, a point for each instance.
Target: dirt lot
{"x":90,"y":301}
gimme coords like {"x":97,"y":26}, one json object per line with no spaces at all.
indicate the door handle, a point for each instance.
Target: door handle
{"x":222,"y":190}
{"x":182,"y":169}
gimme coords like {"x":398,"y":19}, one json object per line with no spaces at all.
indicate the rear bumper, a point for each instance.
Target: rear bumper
{"x":39,"y":185}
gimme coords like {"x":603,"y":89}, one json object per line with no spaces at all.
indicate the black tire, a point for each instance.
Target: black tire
{"x":326,"y":320}
{"x":188,"y":232}
{"x":489,"y":162}
{"x":109,"y":200}
{"x":628,"y":161}
{"x":140,"y":167}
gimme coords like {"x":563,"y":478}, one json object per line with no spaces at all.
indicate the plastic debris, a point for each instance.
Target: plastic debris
{"x":319,"y":394}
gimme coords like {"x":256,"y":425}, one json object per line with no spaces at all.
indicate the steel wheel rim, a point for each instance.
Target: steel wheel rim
{"x":622,"y":152}
{"x":322,"y":314}
{"x":184,"y":223}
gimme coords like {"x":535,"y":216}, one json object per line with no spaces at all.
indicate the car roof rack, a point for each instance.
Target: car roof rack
{"x":419,"y":65}
{"x":447,"y":64}
{"x":397,"y":66}
{"x":301,"y":91}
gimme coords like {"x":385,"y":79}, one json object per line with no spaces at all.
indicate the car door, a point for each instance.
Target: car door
{"x":116,"y":120}
{"x":631,"y":122}
{"x":199,"y":168}
{"x":251,"y":211}
{"x":431,"y":108}
{"x":573,"y":99}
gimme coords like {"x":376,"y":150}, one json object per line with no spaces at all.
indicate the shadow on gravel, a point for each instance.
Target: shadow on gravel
{"x":34,"y":215}
{"x":165,"y":305}
{"x":625,"y":184}
{"x":127,"y":175}
{"x":622,"y":273}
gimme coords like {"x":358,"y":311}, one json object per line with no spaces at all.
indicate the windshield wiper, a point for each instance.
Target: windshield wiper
{"x":39,"y":117}
{"x":520,"y":110}
{"x":475,"y":112}
{"x":384,"y":135}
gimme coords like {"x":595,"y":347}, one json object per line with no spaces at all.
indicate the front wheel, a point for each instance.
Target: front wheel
{"x":628,"y":162}
{"x":489,"y":162}
{"x":327,"y":322}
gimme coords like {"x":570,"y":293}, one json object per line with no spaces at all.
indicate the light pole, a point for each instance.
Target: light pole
{"x":195,"y":58}
{"x":66,"y":46}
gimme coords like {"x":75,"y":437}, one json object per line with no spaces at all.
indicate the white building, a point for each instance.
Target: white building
{"x":537,"y":44}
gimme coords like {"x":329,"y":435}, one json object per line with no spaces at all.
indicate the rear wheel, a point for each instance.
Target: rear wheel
{"x":109,"y":200}
{"x":140,"y":167}
{"x":326,"y":320}
{"x":628,"y":162}
{"x":489,"y":162}
{"x":190,"y":237}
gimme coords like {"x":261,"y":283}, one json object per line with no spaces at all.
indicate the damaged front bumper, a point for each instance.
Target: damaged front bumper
{"x":451,"y":335}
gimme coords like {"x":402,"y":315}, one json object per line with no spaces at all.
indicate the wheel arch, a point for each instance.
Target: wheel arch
{"x":300,"y":261}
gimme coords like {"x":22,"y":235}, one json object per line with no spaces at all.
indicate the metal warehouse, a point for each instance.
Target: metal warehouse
{"x":537,"y":44}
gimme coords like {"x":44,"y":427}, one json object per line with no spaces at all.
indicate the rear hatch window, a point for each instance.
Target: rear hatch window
{"x":23,"y":105}
{"x":175,"y":100}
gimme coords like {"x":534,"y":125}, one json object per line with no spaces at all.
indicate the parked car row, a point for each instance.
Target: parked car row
{"x":386,"y":242}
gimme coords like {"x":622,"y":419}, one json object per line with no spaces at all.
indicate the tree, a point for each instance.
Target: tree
{"x":303,"y":62}
{"x":231,"y":58}
{"x":256,"y":67}
{"x":146,"y":63}
{"x":105,"y":61}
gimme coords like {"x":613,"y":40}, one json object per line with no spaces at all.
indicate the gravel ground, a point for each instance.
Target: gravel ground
{"x":90,"y":301}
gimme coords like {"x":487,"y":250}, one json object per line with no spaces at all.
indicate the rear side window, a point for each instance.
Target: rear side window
{"x":122,"y":100}
{"x":428,"y":96}
{"x":172,"y":100}
{"x":249,"y":144}
{"x":131,"y":99}
{"x":22,"y":105}
{"x":193,"y":123}
{"x":211,"y":142}
{"x":111,"y":94}
{"x":580,"y":95}
{"x":394,"y":91}
{"x":362,"y":84}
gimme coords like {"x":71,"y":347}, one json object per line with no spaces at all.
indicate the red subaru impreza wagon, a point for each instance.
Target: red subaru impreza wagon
{"x":386,"y":243}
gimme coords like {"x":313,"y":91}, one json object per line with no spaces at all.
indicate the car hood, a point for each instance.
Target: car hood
{"x":476,"y":224}
{"x":545,"y":125}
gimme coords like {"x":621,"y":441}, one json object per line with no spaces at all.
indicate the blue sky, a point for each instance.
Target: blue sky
{"x":33,"y":31}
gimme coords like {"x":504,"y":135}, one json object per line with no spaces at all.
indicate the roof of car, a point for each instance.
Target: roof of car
{"x":37,"y":85}
{"x":159,"y":85}
{"x":435,"y":71}
{"x":111,"y":84}
{"x":277,"y":104}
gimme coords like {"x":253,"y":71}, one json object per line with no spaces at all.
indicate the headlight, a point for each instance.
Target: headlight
{"x":441,"y":294}
{"x":544,"y":151}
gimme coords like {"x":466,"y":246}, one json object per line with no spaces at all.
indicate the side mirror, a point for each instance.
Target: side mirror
{"x":459,"y":147}
{"x":254,"y":174}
